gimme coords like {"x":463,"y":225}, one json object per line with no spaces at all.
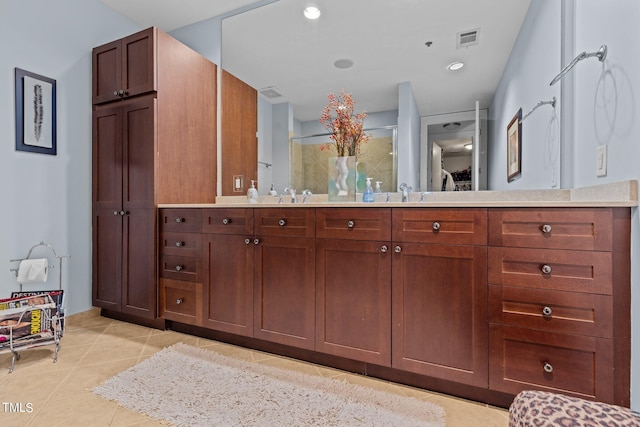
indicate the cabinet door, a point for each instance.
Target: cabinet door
{"x":139,"y":263}
{"x":353,"y":299}
{"x":440,"y":311}
{"x":107,"y":75}
{"x":138,"y":63}
{"x":107,"y":204}
{"x":284,"y":291}
{"x":228,"y":292}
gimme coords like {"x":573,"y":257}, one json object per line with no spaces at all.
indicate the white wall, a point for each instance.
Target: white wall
{"x":604,"y":109}
{"x":44,"y":197}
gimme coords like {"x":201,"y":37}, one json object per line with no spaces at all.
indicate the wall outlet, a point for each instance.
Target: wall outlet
{"x":238,"y":183}
{"x":601,"y":160}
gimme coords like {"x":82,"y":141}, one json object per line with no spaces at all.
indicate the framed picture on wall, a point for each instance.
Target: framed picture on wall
{"x":514,"y":147}
{"x":35,"y":98}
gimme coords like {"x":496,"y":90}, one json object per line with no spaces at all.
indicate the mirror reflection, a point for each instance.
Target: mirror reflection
{"x":369,"y":51}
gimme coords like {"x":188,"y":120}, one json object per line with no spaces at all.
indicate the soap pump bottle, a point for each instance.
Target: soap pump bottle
{"x":368,"y":196}
{"x":252,"y":193}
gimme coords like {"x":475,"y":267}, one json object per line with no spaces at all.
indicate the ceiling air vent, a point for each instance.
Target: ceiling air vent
{"x":270,"y":92}
{"x":468,"y":38}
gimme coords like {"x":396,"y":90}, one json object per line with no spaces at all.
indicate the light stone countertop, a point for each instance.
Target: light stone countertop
{"x":618,"y":194}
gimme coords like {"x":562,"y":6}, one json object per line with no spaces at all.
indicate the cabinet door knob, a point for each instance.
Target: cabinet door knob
{"x":123,"y":213}
{"x":115,"y":93}
{"x":256,"y":241}
{"x":547,"y":367}
{"x":179,"y":301}
{"x":116,"y":213}
{"x":226,"y":221}
{"x":351,"y":224}
{"x":397,"y":249}
{"x":282,"y":222}
{"x":247,"y":241}
{"x":384,"y":249}
{"x":179,"y":220}
{"x":547,"y":311}
{"x":546,"y":228}
{"x":179,"y":243}
{"x":121,"y":92}
{"x":179,"y":268}
{"x":436,"y":226}
{"x":546,"y":269}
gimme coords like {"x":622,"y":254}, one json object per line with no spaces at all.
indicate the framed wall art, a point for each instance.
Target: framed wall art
{"x":514,"y":147}
{"x":35,"y":100}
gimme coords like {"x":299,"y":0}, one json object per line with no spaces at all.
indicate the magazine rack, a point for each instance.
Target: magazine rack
{"x":32,"y":319}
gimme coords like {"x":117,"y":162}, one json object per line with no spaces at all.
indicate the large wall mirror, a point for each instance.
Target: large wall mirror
{"x":367,"y":50}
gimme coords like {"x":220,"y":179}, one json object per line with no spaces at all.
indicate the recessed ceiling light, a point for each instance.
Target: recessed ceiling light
{"x":455,"y":66}
{"x":451,"y":125}
{"x":343,"y":63}
{"x":311,"y":12}
{"x":468,"y":146}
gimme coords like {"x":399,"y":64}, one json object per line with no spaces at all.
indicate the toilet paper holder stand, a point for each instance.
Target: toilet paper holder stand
{"x":55,"y":254}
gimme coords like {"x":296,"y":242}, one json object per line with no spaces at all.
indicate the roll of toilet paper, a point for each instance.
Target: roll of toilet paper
{"x":33,"y":270}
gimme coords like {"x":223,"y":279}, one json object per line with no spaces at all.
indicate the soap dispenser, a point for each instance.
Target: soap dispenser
{"x":252,"y":193}
{"x":368,"y":196}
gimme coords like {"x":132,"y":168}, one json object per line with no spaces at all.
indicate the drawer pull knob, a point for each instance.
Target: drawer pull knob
{"x":351,"y":224}
{"x":179,"y":220}
{"x":282,"y":223}
{"x":547,"y":311}
{"x":546,"y":269}
{"x":247,"y":241}
{"x":256,"y":241}
{"x":179,"y":243}
{"x":179,"y":301}
{"x":226,"y":221}
{"x":546,"y":228}
{"x":384,"y":249}
{"x":436,"y":226}
{"x":397,"y":249}
{"x":548,"y":367}
{"x":179,"y":268}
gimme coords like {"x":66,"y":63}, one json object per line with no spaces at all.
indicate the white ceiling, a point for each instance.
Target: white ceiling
{"x":274,"y":45}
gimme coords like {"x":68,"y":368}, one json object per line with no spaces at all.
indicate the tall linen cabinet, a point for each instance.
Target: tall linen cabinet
{"x":154,"y":141}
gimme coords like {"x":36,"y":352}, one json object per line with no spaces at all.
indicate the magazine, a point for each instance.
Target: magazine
{"x":29,"y":319}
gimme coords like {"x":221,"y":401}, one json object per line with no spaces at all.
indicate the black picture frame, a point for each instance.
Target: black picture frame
{"x":35,"y":101}
{"x":514,"y":147}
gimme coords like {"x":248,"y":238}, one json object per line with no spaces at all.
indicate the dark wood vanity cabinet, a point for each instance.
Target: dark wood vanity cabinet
{"x":439,"y":284}
{"x":485,"y":302}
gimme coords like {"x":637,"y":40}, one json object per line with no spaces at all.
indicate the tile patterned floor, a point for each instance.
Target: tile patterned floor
{"x":42,"y":393}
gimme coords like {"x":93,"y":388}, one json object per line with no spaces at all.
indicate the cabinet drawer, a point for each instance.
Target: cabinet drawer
{"x":189,"y":220}
{"x":449,"y":226}
{"x":228,"y":221}
{"x":353,"y":223}
{"x":529,"y":359}
{"x":562,"y":228}
{"x":184,"y":244}
{"x":181,"y":268}
{"x":286,"y":222}
{"x":565,"y":312}
{"x":181,"y":301}
{"x":577,"y":271}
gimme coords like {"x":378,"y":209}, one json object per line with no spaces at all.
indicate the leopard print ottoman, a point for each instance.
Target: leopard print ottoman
{"x":543,"y":409}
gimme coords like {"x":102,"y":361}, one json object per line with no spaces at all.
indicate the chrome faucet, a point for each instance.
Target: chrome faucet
{"x":305,"y":194}
{"x":291,"y":191}
{"x":405,"y":192}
